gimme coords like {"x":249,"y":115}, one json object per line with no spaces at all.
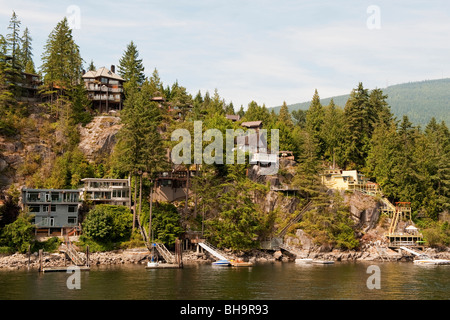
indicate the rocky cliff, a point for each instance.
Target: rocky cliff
{"x":98,"y":137}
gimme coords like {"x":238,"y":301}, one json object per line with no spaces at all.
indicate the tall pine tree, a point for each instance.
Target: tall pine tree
{"x":131,"y":68}
{"x":61,"y":60}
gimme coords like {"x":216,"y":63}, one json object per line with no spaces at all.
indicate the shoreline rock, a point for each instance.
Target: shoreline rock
{"x":19,"y":261}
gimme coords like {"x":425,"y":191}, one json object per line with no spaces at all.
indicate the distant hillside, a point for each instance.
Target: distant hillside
{"x":420,"y":101}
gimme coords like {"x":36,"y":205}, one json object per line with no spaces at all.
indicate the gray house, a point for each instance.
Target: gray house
{"x":106,"y":191}
{"x":53,"y":209}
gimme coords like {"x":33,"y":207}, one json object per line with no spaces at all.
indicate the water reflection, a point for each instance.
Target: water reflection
{"x":279,"y":281}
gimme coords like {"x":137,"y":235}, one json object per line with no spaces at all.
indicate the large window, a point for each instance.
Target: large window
{"x":72,"y":208}
{"x":71,"y":220}
{"x":34,"y":208}
{"x":33,"y":196}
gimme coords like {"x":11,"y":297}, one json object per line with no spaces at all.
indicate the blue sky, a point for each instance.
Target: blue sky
{"x":266,"y":51}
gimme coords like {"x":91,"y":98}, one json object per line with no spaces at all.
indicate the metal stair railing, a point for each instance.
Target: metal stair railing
{"x":169,"y":257}
{"x":214,"y":251}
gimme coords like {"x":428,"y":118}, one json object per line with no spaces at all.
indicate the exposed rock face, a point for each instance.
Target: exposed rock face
{"x":364,"y":209}
{"x":99,"y":136}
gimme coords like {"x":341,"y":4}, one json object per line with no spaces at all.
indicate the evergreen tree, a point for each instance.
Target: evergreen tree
{"x":332,"y":134}
{"x":284,"y":116}
{"x":315,"y":121}
{"x":61,"y":60}
{"x":181,"y":100}
{"x":26,"y":54}
{"x":355,"y":118}
{"x":130,"y":67}
{"x":155,"y":85}
{"x":91,"y":66}
{"x":13,"y":39}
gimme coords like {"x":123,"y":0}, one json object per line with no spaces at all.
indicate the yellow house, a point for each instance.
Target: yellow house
{"x":345,"y":180}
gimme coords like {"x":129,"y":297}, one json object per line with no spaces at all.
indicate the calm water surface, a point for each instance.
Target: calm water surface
{"x":278,"y":281}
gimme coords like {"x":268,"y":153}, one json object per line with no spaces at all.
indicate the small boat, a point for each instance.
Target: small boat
{"x":322,"y":261}
{"x":432,"y":261}
{"x":152,"y":264}
{"x":303,"y":261}
{"x":223,"y":263}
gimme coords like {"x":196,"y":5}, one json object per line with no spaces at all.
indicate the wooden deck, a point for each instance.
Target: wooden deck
{"x":63,"y":269}
{"x":165,"y":266}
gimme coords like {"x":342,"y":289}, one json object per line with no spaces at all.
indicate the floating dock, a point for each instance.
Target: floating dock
{"x":164,"y":266}
{"x":64,"y":269}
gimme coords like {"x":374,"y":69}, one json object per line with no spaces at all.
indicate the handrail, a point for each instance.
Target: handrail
{"x":296,"y":219}
{"x":169,"y":257}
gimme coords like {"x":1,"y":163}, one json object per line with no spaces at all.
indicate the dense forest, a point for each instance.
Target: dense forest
{"x":420,"y":101}
{"x":409,"y":162}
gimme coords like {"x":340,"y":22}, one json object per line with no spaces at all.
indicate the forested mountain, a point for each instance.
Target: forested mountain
{"x":420,"y":101}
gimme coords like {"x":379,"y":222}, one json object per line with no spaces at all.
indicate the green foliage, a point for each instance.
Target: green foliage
{"x":436,"y":233}
{"x":18,"y":235}
{"x":68,"y":170}
{"x":61,"y":60}
{"x":108,"y":224}
{"x":139,"y":146}
{"x":330,"y":225}
{"x":166,"y":222}
{"x":130,"y":67}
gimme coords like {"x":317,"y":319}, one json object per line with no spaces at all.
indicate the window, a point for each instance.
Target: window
{"x":72,"y":208}
{"x":34,"y":208}
{"x":55,"y":196}
{"x":33,"y":196}
{"x":72,"y":220}
{"x":53,"y":208}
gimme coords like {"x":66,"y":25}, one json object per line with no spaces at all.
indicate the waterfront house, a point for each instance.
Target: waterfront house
{"x":174,"y":185}
{"x":346,"y":180}
{"x":106,"y":191}
{"x":54,"y":210}
{"x":105,"y":89}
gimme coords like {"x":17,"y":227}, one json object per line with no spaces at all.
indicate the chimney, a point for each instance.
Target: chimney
{"x":113,"y":68}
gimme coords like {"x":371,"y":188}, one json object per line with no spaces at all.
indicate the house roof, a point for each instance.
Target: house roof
{"x":251,"y":124}
{"x":102,"y":72}
{"x":233,"y":117}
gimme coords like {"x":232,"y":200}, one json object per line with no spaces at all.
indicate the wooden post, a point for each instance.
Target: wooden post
{"x":29,"y":255}
{"x":178,"y":253}
{"x":40,"y":260}
{"x":150,"y":238}
{"x":87,"y":257}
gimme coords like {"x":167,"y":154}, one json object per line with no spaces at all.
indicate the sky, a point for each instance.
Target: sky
{"x":255,"y":50}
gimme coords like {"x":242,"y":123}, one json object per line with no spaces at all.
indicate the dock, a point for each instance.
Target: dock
{"x":64,"y":269}
{"x":164,"y":266}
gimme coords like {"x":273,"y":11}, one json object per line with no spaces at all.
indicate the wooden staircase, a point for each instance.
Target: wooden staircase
{"x":69,"y":249}
{"x":294,"y":220}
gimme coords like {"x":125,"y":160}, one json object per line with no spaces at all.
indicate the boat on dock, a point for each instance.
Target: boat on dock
{"x":432,"y":262}
{"x":222,"y":263}
{"x":423,"y":259}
